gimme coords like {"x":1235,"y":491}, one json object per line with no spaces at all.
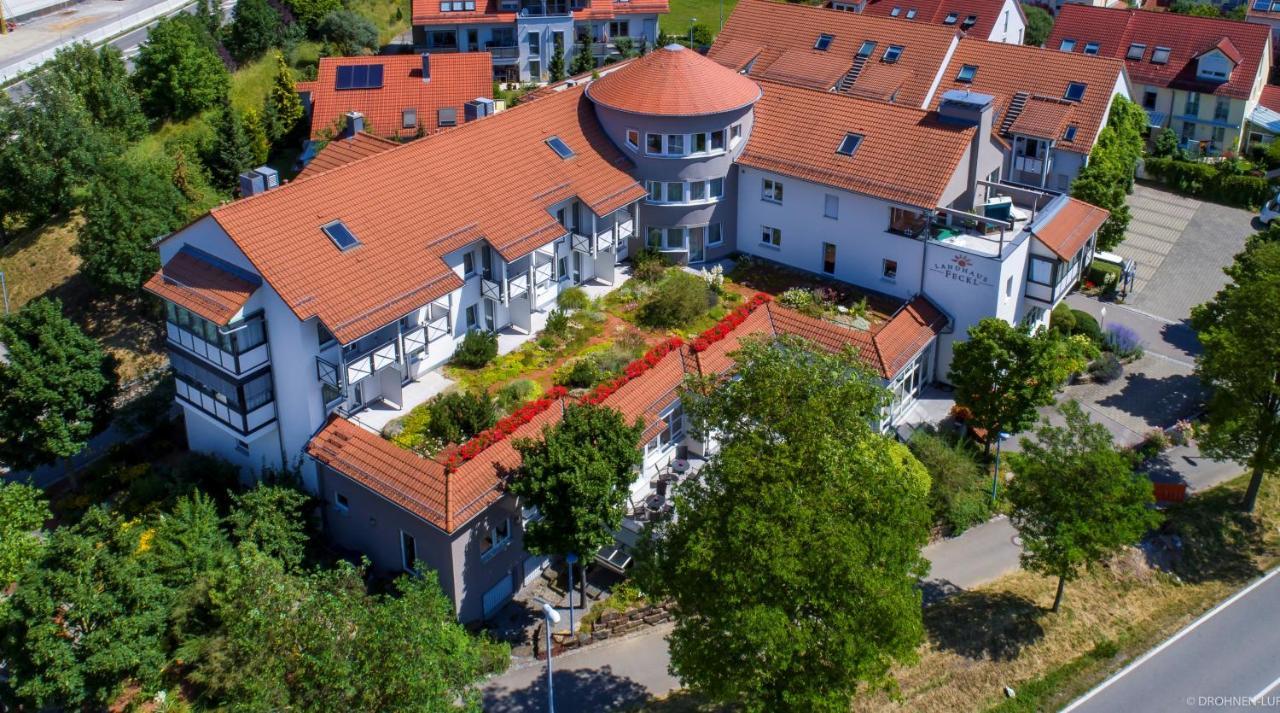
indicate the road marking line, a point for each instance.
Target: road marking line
{"x":1171,"y":640}
{"x":1264,"y":691}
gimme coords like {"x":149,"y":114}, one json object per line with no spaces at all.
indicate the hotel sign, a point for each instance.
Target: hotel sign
{"x":961,"y":269}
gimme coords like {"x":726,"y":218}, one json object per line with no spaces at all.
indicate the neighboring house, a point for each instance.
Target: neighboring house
{"x":303,"y":319}
{"x":351,"y":145}
{"x":1050,"y":105}
{"x":523,"y":35}
{"x":1266,"y":12}
{"x":1264,"y":120}
{"x":400,"y":96}
{"x":995,"y":20}
{"x":1200,"y":76}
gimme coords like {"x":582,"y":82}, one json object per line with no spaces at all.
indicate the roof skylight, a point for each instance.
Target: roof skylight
{"x":340,"y":234}
{"x":1135,"y":51}
{"x":911,"y":14}
{"x":849,"y":144}
{"x":1068,"y":45}
{"x":1070,"y":133}
{"x":824,"y":41}
{"x":1075,"y":92}
{"x":950,"y":18}
{"x":1160,"y":55}
{"x":867,"y":48}
{"x":895,"y":12}
{"x":892,"y":53}
{"x":967,"y":73}
{"x":1091,"y":48}
{"x":560,"y":147}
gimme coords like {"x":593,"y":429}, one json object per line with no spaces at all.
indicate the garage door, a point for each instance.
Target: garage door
{"x":498,"y":595}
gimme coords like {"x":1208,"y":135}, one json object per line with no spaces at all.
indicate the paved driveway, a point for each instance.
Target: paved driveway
{"x":1180,"y":245}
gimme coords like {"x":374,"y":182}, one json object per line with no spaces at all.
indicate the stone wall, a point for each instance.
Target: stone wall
{"x":611,"y":624}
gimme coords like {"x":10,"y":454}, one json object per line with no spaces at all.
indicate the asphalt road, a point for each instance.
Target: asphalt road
{"x":1227,"y":659}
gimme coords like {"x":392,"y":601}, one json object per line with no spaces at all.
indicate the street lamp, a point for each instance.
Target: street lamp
{"x":553,"y":618}
{"x":692,"y":20}
{"x":571,"y":558}
{"x":995,"y":477}
{"x":1103,"y":313}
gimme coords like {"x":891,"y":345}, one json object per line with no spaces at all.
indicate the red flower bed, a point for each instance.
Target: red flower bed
{"x":730,"y":322}
{"x":633,"y":370}
{"x":454,"y":457}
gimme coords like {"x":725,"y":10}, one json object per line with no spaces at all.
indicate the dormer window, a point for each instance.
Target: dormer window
{"x":823,"y":43}
{"x":1160,"y":55}
{"x":967,"y":73}
{"x":849,"y":144}
{"x":1075,"y":92}
{"x":1068,"y":45}
{"x":409,"y":119}
{"x":892,"y":53}
{"x":951,"y":18}
{"x":1135,"y":52}
{"x":1091,"y":48}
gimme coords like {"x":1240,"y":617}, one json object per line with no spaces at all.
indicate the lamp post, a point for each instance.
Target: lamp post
{"x":692,"y":20}
{"x":995,"y":477}
{"x":1103,"y":313}
{"x":570,"y":559}
{"x":553,"y":618}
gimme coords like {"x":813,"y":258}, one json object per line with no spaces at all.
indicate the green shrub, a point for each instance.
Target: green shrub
{"x":1224,"y":182}
{"x":678,"y":300}
{"x":957,"y":494}
{"x":1104,"y":274}
{"x":1062,"y":320}
{"x":582,"y":374}
{"x":516,"y":393}
{"x":1271,"y":156}
{"x":1088,"y":326}
{"x":796,"y":298}
{"x":1106,"y":368}
{"x":557,"y":323}
{"x":477,"y":349}
{"x":459,"y":415}
{"x":573,"y":298}
{"x":648,"y":266}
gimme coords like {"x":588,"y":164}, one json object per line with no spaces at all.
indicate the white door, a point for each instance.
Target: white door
{"x":533,"y":567}
{"x":498,"y":595}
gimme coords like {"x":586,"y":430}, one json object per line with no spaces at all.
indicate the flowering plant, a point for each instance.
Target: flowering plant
{"x":729,"y":323}
{"x":633,"y":370}
{"x":456,"y":456}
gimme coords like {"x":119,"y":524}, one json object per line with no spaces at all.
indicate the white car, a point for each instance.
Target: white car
{"x":1270,"y":211}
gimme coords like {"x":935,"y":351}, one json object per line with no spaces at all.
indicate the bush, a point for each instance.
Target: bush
{"x":1104,"y":274}
{"x":648,"y":266}
{"x":1106,"y":368}
{"x":1062,"y":320}
{"x":1222,"y":184}
{"x":573,"y":298}
{"x":557,"y":324}
{"x":516,"y":393}
{"x":957,"y":492}
{"x":459,"y":415}
{"x":1123,"y":340}
{"x":1088,"y":326}
{"x":477,"y":349}
{"x":1271,"y":156}
{"x":796,"y":298}
{"x":1166,"y":145}
{"x":582,"y":374}
{"x":348,"y":33}
{"x":677,"y":301}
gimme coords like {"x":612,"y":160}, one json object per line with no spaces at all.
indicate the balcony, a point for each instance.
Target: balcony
{"x":1028,"y":164}
{"x":372,"y":361}
{"x":581,"y":243}
{"x":503,"y":53}
{"x":244,"y":421}
{"x":328,"y":373}
{"x":437,"y":324}
{"x":518,"y":286}
{"x":490,"y":289}
{"x":993,"y":226}
{"x":234,"y":353}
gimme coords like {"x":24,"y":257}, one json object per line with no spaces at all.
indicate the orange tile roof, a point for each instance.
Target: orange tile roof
{"x":907,"y":332}
{"x":673,"y":81}
{"x":1043,"y":118}
{"x":449,"y":190}
{"x":1187,"y":36}
{"x":797,"y":131}
{"x":807,"y":68}
{"x":777,"y":28}
{"x":1004,"y":70}
{"x":341,"y":152}
{"x":1069,"y":229}
{"x":456,"y":79}
{"x":203,"y":284}
{"x":1270,"y":97}
{"x":984,"y":12}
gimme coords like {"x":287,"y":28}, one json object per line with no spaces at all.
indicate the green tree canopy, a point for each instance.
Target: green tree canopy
{"x":1002,"y":374}
{"x":101,"y":80}
{"x":23,"y":512}
{"x":273,"y":519}
{"x":311,"y":12}
{"x":583,"y":61}
{"x":129,"y":205}
{"x":1075,"y":498}
{"x":177,"y":71}
{"x":555,"y":67}
{"x":1039,"y":25}
{"x":232,"y":151}
{"x":283,"y":109}
{"x":349,"y":33}
{"x":254,"y":28}
{"x":58,"y":386}
{"x":1239,"y":363}
{"x":1108,"y":177}
{"x":578,"y":476}
{"x":793,"y":557}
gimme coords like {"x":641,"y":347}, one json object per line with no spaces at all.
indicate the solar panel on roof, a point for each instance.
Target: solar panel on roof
{"x":375,"y":76}
{"x":1262,"y":5}
{"x":560,"y":147}
{"x":341,"y":235}
{"x":344,"y":78}
{"x":359,"y":76}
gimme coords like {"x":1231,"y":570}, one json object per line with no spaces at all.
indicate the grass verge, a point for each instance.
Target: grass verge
{"x":708,"y":12}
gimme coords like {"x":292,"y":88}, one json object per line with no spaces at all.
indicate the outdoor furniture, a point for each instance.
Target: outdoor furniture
{"x":654,"y":502}
{"x":679,"y":466}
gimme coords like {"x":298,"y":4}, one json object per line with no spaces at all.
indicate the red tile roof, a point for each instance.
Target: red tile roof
{"x":1004,"y":70}
{"x":456,"y":79}
{"x":1069,"y":229}
{"x":202,"y":284}
{"x":1043,"y":118}
{"x":341,"y":152}
{"x":1186,"y":36}
{"x":673,"y":81}
{"x":1270,"y":97}
{"x":984,"y":12}
{"x":427,"y":489}
{"x":777,"y":29}
{"x":797,"y":131}
{"x":449,"y":189}
{"x":428,"y":12}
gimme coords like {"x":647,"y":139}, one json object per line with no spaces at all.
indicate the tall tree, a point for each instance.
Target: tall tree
{"x":232,"y":150}
{"x":58,"y":386}
{"x":255,"y":27}
{"x":1076,"y":498}
{"x":578,"y":476}
{"x":23,"y":512}
{"x":793,"y":556}
{"x":1003,"y":373}
{"x":1108,"y":177}
{"x":273,"y":519}
{"x":101,"y":80}
{"x":349,"y":33}
{"x":555,"y":68}
{"x":1241,"y":363}
{"x":583,"y":61}
{"x":177,"y":71}
{"x":283,"y":108}
{"x":1039,"y":25}
{"x":131,"y":204}
{"x":257,"y":133}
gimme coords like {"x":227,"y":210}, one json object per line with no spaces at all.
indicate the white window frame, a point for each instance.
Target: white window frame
{"x":497,"y":544}
{"x":634,"y":144}
{"x":771,"y":237}
{"x":831,"y":207}
{"x":771,"y":190}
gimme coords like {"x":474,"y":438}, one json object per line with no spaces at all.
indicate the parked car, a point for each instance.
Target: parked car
{"x":1270,"y":211}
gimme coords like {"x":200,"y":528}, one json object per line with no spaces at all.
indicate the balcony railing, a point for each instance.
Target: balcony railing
{"x":518,"y":287}
{"x":238,"y":364}
{"x":369,"y":363}
{"x":542,"y":273}
{"x":1029,"y":164}
{"x":328,"y":373}
{"x":581,"y":243}
{"x":415,"y":339}
{"x":243,"y":422}
{"x":503,"y":52}
{"x":437,"y":328}
{"x":490,"y":289}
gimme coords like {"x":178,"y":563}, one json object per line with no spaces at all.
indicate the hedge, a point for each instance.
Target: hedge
{"x":1204,"y":180}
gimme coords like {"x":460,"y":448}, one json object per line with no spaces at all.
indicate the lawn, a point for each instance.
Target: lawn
{"x":707,"y":12}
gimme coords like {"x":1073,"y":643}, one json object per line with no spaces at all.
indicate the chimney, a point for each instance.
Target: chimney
{"x":426,"y":67}
{"x":355,"y":124}
{"x":966,"y":108}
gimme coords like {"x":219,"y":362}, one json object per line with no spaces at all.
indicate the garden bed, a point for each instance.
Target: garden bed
{"x":816,"y":296}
